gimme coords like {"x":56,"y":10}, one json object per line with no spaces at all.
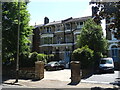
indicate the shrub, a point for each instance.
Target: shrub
{"x":32,"y":59}
{"x":50,"y":57}
{"x":42,"y":57}
{"x":84,"y":55}
{"x":24,"y":60}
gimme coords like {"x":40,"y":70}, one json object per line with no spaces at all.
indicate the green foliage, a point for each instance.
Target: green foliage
{"x":28,"y":59}
{"x":84,"y":55}
{"x":50,"y":57}
{"x":10,"y":15}
{"x":42,"y":57}
{"x":33,"y":56}
{"x":24,"y":60}
{"x":108,"y":10}
{"x":92,"y":36}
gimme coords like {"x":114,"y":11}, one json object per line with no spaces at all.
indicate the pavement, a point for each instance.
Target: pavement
{"x":52,"y":84}
{"x":56,"y":79}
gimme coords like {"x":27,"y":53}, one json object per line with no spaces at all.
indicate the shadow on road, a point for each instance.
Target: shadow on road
{"x":4,"y":79}
{"x":73,"y":84}
{"x":99,"y":88}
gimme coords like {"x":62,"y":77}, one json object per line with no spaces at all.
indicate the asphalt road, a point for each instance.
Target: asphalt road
{"x":107,"y":78}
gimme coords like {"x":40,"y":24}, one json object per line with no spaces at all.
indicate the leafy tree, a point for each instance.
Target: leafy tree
{"x":10,"y":15}
{"x":92,"y":36}
{"x":106,"y":10}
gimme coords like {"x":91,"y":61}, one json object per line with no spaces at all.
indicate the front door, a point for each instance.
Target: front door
{"x":67,"y":56}
{"x":115,"y":54}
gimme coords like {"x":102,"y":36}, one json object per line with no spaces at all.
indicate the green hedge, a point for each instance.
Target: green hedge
{"x":84,"y":55}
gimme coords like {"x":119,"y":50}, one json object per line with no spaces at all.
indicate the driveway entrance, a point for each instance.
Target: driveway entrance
{"x":64,"y":75}
{"x":61,"y":75}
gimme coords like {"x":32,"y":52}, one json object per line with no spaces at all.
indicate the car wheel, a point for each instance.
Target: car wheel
{"x":112,"y":71}
{"x":62,"y":68}
{"x":46,"y":69}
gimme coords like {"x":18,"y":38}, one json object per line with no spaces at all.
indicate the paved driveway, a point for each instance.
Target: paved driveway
{"x":61,"y":79}
{"x":103,"y":78}
{"x":64,"y":75}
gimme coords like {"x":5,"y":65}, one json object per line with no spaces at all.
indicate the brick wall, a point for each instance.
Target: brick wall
{"x":23,"y":72}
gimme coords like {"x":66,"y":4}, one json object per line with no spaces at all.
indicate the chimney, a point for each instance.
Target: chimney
{"x":46,"y":20}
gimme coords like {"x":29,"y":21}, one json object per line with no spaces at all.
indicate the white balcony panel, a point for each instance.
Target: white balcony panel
{"x":77,"y":32}
{"x":57,"y":45}
{"x":68,"y":30}
{"x":46,"y":35}
{"x":59,"y":31}
{"x":79,"y":26}
{"x":113,"y":41}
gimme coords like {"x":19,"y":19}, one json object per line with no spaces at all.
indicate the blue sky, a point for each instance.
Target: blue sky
{"x":57,"y":10}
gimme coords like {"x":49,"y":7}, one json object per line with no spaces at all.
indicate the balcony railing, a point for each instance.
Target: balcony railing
{"x":47,"y":35}
{"x":59,"y":31}
{"x":63,"y":44}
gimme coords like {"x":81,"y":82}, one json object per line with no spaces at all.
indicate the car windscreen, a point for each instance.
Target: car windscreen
{"x":106,"y":62}
{"x":52,"y":62}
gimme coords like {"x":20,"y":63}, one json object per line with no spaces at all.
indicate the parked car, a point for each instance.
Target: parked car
{"x":62,"y":62}
{"x":55,"y":65}
{"x":106,"y":65}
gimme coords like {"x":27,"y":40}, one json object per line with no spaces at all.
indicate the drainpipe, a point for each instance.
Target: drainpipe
{"x":72,"y":37}
{"x":64,"y":32}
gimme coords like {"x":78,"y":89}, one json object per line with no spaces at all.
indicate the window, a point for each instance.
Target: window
{"x":79,"y":25}
{"x":59,"y":40}
{"x":48,"y":29}
{"x":106,"y":62}
{"x":67,"y":26}
{"x":47,"y":40}
{"x":58,"y":27}
{"x":69,"y":38}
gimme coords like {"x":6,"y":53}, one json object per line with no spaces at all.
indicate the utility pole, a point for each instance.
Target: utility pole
{"x":17,"y":62}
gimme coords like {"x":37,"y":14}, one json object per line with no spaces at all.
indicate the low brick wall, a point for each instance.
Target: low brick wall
{"x":87,"y":72}
{"x":36,"y":72}
{"x":28,"y":72}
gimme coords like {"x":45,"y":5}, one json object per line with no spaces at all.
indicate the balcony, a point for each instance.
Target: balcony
{"x":57,"y":45}
{"x":47,"y":31}
{"x":47,"y":35}
{"x":67,"y":30}
{"x":79,"y":26}
{"x":76,"y":32}
{"x":60,"y":31}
